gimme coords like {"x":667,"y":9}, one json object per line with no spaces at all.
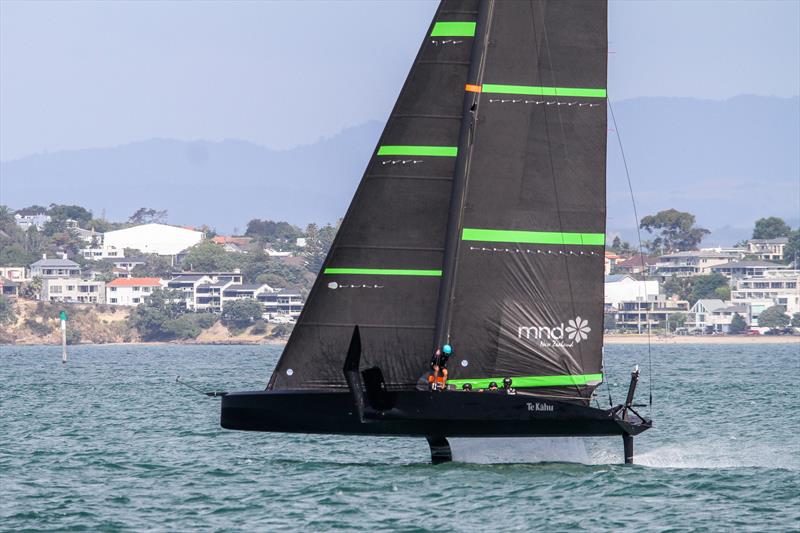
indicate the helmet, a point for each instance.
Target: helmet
{"x":493,"y":385}
{"x":467,"y":386}
{"x":507,"y":383}
{"x":447,"y":348}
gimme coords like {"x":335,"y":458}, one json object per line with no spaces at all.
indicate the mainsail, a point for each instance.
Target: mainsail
{"x":480,"y":219}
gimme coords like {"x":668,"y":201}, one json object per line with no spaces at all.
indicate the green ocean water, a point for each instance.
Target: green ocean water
{"x":109,"y":442}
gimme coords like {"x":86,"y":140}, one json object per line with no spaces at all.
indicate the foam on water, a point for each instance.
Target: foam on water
{"x":519,"y":450}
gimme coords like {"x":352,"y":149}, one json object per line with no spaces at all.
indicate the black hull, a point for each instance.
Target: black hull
{"x":424,"y":414}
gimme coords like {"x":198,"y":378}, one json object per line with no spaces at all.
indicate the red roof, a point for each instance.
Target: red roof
{"x":137,"y":282}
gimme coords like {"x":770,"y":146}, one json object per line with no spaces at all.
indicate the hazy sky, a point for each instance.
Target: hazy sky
{"x":91,"y":74}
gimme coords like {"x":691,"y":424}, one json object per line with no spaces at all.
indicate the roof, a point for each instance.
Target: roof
{"x":740,"y":308}
{"x":616,"y":277}
{"x":129,"y":260}
{"x":637,"y":260}
{"x":700,"y":253}
{"x":245,"y":287}
{"x":750,"y":264}
{"x":777,"y":240}
{"x":58,"y":263}
{"x":8,"y":282}
{"x":186,"y":278}
{"x":712,"y":304}
{"x":224,"y":239}
{"x":135,"y":282}
{"x":612,"y":255}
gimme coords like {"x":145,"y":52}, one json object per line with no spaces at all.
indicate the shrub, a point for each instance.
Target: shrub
{"x":241,"y":313}
{"x":8,"y":314}
{"x":259,"y":328}
{"x":38,"y":328}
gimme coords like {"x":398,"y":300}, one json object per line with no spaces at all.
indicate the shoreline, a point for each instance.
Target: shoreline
{"x":607,"y":339}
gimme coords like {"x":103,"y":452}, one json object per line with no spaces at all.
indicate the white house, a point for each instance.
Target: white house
{"x":131,"y":291}
{"x":13,"y":273}
{"x":767,"y":249}
{"x":623,"y":288}
{"x":773,"y":287}
{"x":55,"y":268}
{"x":161,"y":239}
{"x":26,"y":221}
{"x":715,"y":315}
{"x":73,"y":290}
{"x":693,"y":263}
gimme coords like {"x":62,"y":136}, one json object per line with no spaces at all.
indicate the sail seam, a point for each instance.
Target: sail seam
{"x":534,"y":381}
{"x":533,"y":237}
{"x":436,"y":151}
{"x":383,"y":272}
{"x":492,"y":88}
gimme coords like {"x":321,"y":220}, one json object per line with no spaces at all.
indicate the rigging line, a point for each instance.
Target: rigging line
{"x":641,"y":255}
{"x":546,"y":43}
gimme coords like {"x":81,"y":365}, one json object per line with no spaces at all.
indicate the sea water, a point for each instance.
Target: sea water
{"x":110,"y":442}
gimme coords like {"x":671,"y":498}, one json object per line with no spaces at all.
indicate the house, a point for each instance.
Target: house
{"x":101,"y":252}
{"x":687,"y":264}
{"x":773,"y":287}
{"x":622,"y":287}
{"x":31,"y":221}
{"x":8,"y":288}
{"x":161,"y":239}
{"x":767,"y":249}
{"x":243,"y":291}
{"x":710,"y":315}
{"x":272,"y":252}
{"x":637,"y":264}
{"x":235,"y":276}
{"x":74,"y":290}
{"x":128,"y":263}
{"x":741,"y":269}
{"x":641,"y":315}
{"x":610,"y":261}
{"x":208,"y":296}
{"x":55,"y":268}
{"x":131,"y":291}
{"x":282,"y":302}
{"x":239,"y":241}
{"x":13,"y":273}
{"x":187,"y":285}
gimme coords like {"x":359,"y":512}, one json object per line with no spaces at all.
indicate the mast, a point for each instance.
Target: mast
{"x":471,"y":100}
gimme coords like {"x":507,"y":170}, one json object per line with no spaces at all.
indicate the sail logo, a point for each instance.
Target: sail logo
{"x":573,"y":333}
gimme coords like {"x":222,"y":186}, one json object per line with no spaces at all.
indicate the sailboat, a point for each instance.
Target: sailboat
{"x":479,"y":224}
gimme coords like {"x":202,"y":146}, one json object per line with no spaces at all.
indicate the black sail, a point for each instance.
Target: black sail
{"x":384,"y":269}
{"x":522,"y":288}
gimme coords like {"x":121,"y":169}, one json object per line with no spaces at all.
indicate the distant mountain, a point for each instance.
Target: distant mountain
{"x":728,"y":162}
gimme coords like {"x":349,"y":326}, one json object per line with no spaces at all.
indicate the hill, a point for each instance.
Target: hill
{"x":729,"y":162}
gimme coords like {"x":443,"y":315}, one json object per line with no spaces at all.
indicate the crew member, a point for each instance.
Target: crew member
{"x":507,"y":386}
{"x":492,"y":387}
{"x":438,"y":377}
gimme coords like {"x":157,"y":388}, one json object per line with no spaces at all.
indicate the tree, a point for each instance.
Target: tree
{"x":723,"y":293}
{"x":151,"y":317}
{"x":32,"y":210}
{"x":774,"y":317}
{"x":676,"y":320}
{"x":271,"y":231}
{"x":791,"y":252}
{"x":738,"y":325}
{"x":675,"y":231}
{"x":241,"y":313}
{"x":619,"y":247}
{"x":70,"y":212}
{"x":770,"y":228}
{"x":7,"y":313}
{"x":609,"y":322}
{"x":318,"y":242}
{"x":796,"y":320}
{"x":706,"y":286}
{"x":208,"y":257}
{"x":154,"y":266}
{"x":146,"y":215}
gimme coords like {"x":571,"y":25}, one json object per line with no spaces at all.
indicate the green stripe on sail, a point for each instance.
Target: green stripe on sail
{"x":533,"y":237}
{"x":544,"y":91}
{"x":453,"y":29}
{"x":442,"y":151}
{"x":532,"y":381}
{"x":384,"y":272}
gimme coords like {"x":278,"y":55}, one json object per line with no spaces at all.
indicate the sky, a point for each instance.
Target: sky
{"x":79,"y":75}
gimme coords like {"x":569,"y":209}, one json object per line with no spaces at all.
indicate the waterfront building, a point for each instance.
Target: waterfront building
{"x":72,"y":290}
{"x":621,"y":287}
{"x":131,"y":291}
{"x":281,"y":302}
{"x":643,"y":314}
{"x":741,"y":269}
{"x":55,"y":268}
{"x":767,"y":249}
{"x":692,"y":263}
{"x":161,"y":239}
{"x":773,"y":287}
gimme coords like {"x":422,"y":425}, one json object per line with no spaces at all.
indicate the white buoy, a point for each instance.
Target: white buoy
{"x":63,"y":316}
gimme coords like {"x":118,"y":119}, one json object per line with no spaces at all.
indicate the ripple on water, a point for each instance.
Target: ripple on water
{"x":110,"y":443}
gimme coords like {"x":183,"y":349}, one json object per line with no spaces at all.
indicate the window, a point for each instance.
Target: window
{"x":113,"y":300}
{"x":136,"y":289}
{"x":112,"y":289}
{"x":56,"y":289}
{"x":136,"y":300}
